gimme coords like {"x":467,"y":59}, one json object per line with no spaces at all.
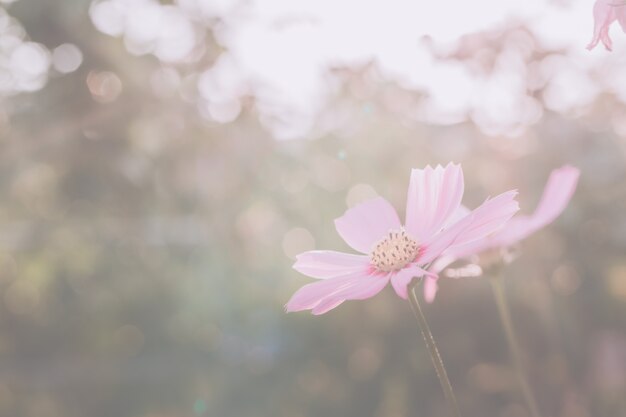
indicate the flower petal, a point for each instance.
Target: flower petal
{"x":606,"y":39}
{"x":434,"y":195}
{"x":326,"y":305}
{"x":443,"y":262}
{"x":489,"y":217}
{"x":366,"y":223}
{"x":604,"y":13}
{"x":556,"y":195}
{"x":466,"y":250}
{"x":461,"y":212}
{"x":322,"y":296}
{"x":362,"y":290}
{"x":484,"y":220}
{"x":555,"y":198}
{"x":401,"y":279}
{"x":620,"y":13}
{"x":443,"y":240}
{"x":327,"y":263}
{"x":430,"y":289}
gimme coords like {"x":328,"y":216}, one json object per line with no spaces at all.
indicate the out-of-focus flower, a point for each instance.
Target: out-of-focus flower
{"x":605,"y":12}
{"x":556,"y":195}
{"x":392,"y":252}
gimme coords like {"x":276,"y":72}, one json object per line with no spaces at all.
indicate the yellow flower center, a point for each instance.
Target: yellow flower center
{"x":394,"y":251}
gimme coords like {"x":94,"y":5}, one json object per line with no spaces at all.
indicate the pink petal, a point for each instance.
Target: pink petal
{"x":490,"y":217}
{"x":443,"y":261}
{"x":434,"y":195}
{"x":461,"y":212}
{"x":556,"y":195}
{"x":443,"y":240}
{"x":326,"y":305}
{"x":362,"y":290}
{"x":401,"y":279}
{"x":620,"y":12}
{"x":468,"y":249}
{"x":310,"y":295}
{"x":430,"y":289}
{"x":604,"y":13}
{"x":322,"y":296}
{"x":327,"y":264}
{"x":555,"y":198}
{"x":606,"y":39}
{"x":366,"y":223}
{"x":484,"y":220}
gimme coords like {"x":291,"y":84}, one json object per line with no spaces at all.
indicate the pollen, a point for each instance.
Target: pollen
{"x":394,"y":251}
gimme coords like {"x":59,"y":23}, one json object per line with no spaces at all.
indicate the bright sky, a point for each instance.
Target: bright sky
{"x":281,"y":49}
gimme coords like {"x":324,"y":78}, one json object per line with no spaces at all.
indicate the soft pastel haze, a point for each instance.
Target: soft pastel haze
{"x":282,"y":52}
{"x":165,"y":164}
{"x":285,"y":48}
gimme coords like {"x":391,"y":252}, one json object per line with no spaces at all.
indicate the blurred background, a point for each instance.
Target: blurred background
{"x":161,"y":164}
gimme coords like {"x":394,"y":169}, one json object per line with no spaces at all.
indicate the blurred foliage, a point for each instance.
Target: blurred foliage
{"x":145,"y":245}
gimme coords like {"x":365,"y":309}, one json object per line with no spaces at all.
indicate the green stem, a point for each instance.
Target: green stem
{"x":434,"y":352}
{"x":507,"y":323}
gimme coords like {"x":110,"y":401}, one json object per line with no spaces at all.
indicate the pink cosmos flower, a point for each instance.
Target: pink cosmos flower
{"x":391,"y":251}
{"x":605,"y":12}
{"x":556,"y":195}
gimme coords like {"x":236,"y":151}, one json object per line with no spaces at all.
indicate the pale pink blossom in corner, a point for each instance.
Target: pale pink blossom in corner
{"x":605,"y":12}
{"x":555,"y":198}
{"x":391,"y":252}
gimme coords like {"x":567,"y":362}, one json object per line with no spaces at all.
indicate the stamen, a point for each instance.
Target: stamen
{"x":394,"y":251}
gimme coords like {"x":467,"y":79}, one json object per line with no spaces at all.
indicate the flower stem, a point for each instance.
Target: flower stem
{"x":434,"y":352}
{"x":507,"y":323}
